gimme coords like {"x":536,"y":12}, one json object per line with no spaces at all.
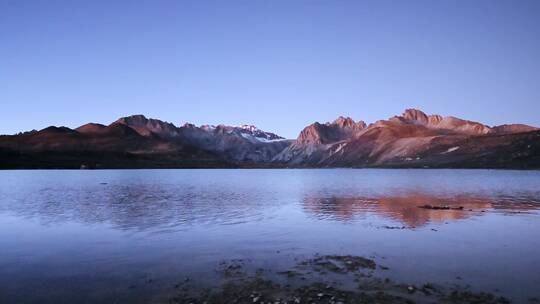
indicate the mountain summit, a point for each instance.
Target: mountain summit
{"x":412,"y":139}
{"x":450,"y":123}
{"x":149,"y":127}
{"x":339,"y":129}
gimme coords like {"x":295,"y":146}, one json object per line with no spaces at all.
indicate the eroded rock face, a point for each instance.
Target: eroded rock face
{"x":258,"y":133}
{"x":340,"y":129}
{"x":349,"y":123}
{"x":413,"y":139}
{"x":415,"y":116}
{"x":149,"y":127}
{"x":313,"y":142}
{"x":449,"y":123}
{"x":406,"y":140}
{"x":245,"y":143}
{"x":317,"y":134}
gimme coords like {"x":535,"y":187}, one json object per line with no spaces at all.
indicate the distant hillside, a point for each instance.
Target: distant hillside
{"x":411,"y":140}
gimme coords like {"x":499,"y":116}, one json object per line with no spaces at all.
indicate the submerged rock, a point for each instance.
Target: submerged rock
{"x":427,"y":206}
{"x":319,"y":286}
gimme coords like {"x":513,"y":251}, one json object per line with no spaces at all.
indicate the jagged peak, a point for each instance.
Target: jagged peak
{"x":343,"y":121}
{"x":415,"y":115}
{"x":435,"y":121}
{"x":137,"y":119}
{"x":258,"y":133}
{"x":246,"y":129}
{"x":148,"y":126}
{"x":341,"y":128}
{"x":208,"y":127}
{"x":140,"y":120}
{"x":419,"y":116}
{"x":311,"y":134}
{"x":250,"y":128}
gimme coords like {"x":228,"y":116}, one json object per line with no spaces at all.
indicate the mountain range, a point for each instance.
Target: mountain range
{"x":410,"y":140}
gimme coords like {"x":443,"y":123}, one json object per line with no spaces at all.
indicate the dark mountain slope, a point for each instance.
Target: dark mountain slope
{"x":411,"y":140}
{"x":136,"y":141}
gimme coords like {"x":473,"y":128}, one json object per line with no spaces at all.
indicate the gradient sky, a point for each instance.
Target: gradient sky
{"x":277,"y":64}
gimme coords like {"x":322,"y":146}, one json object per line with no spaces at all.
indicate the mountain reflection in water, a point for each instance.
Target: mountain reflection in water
{"x":90,"y":236}
{"x":407,"y":209}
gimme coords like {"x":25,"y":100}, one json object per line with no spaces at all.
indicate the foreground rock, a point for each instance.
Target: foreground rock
{"x":324,"y":279}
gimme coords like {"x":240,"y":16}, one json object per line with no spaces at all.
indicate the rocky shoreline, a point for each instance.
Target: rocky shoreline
{"x":334,"y":279}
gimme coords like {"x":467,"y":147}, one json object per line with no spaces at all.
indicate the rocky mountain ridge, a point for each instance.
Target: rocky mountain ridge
{"x":412,"y":139}
{"x":399,"y":141}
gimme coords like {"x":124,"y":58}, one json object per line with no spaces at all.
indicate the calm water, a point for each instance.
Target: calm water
{"x":129,"y":235}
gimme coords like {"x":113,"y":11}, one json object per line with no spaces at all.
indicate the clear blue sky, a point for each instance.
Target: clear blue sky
{"x":277,"y":64}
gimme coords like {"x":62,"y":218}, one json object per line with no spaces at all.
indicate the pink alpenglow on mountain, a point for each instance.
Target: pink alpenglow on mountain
{"x":413,"y":140}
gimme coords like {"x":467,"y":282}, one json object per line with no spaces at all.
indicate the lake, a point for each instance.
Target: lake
{"x":132,"y":236}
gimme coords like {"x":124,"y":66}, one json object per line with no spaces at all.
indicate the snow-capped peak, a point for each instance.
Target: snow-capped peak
{"x":250,"y":128}
{"x":208,"y":127}
{"x":258,"y":134}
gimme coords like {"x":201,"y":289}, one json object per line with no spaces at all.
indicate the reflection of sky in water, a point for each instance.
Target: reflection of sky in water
{"x":154,"y":199}
{"x":64,"y":227}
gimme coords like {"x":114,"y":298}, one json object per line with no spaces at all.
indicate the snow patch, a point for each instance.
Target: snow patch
{"x":451,"y":150}
{"x":340,"y":146}
{"x":208,"y":127}
{"x":250,"y":128}
{"x":247,"y":136}
{"x":260,"y":139}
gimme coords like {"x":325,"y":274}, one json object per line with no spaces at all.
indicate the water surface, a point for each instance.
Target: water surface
{"x":127,"y":236}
